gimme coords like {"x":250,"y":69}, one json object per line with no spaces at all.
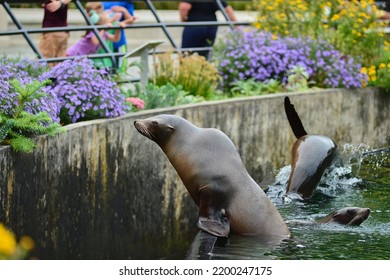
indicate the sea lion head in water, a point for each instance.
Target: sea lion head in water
{"x":351,"y":216}
{"x":311,"y":156}
{"x":211,"y":169}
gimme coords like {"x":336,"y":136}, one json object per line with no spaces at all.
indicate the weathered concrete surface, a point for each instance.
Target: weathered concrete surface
{"x":102,"y":190}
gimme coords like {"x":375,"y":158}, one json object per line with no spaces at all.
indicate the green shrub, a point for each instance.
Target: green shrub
{"x":350,"y":26}
{"x":194,"y":73}
{"x":17,"y":129}
{"x":155,"y":96}
{"x":252,"y":87}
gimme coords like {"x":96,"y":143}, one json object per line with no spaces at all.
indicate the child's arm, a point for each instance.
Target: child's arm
{"x":128,"y":18}
{"x":95,"y":40}
{"x":115,"y":37}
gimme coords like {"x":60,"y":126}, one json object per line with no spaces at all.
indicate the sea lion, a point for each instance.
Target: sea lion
{"x":311,"y":156}
{"x":211,"y":169}
{"x":351,"y":216}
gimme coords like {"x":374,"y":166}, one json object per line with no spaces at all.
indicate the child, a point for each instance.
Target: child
{"x":89,"y":44}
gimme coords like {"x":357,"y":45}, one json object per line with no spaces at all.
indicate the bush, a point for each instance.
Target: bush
{"x":84,"y":92}
{"x":243,"y":55}
{"x":251,"y":87}
{"x":377,"y":75}
{"x":194,"y":73}
{"x":25,"y":71}
{"x":17,"y":128}
{"x":35,"y":98}
{"x":154,"y":96}
{"x":349,"y":26}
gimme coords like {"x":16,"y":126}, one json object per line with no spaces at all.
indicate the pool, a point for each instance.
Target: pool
{"x":363,"y":181}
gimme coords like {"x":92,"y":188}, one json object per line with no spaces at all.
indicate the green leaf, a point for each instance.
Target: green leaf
{"x":22,"y":144}
{"x":5,"y":128}
{"x":18,"y":87}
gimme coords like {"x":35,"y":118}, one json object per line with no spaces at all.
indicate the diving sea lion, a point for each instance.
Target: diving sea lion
{"x":211,"y":169}
{"x":351,"y":216}
{"x":311,"y":156}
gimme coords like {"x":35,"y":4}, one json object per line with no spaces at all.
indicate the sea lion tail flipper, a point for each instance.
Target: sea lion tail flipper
{"x":293,"y":119}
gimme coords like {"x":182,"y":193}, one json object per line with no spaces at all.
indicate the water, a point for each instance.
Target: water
{"x":363,"y":181}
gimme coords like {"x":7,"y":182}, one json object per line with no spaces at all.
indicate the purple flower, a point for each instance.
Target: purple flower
{"x":252,"y":54}
{"x":25,"y":71}
{"x":85,"y":92}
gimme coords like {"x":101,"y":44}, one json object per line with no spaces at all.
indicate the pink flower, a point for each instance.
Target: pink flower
{"x":137,"y":102}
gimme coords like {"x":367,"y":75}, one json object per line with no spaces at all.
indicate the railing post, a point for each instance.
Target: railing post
{"x":4,"y":40}
{"x":20,"y":27}
{"x":163,"y":26}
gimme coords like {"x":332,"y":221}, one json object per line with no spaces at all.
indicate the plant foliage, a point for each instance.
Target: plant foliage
{"x":167,"y":95}
{"x":17,"y":128}
{"x":84,"y":92}
{"x":194,"y":73}
{"x":245,"y":54}
{"x":351,"y":27}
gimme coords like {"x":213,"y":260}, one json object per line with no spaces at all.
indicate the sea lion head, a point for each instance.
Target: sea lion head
{"x":157,"y":128}
{"x":352,"y":216}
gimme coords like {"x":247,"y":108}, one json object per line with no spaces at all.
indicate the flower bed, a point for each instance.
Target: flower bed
{"x":263,"y":56}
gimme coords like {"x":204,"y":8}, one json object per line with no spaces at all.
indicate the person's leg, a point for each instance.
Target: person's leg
{"x":62,"y":43}
{"x":46,"y":47}
{"x":53,"y":44}
{"x":210,"y":38}
{"x":120,"y":60}
{"x":194,"y":37}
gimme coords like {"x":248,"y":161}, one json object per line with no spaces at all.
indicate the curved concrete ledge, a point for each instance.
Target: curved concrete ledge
{"x":103,"y":191}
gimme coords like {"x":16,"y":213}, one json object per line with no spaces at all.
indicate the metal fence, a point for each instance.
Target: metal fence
{"x":26,"y":32}
{"x":164,"y":26}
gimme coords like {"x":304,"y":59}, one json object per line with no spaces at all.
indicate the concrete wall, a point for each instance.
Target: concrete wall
{"x":101,"y":190}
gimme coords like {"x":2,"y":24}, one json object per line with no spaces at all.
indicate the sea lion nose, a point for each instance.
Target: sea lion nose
{"x":368,"y":210}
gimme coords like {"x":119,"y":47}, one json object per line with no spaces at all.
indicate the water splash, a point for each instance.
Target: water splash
{"x":342,"y":176}
{"x":344,"y":184}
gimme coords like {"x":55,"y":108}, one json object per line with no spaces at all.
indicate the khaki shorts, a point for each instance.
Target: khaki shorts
{"x":53,"y":44}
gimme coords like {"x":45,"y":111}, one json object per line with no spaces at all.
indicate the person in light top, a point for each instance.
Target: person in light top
{"x":89,"y":43}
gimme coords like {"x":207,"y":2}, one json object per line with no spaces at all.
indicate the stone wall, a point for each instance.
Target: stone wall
{"x":103,"y":191}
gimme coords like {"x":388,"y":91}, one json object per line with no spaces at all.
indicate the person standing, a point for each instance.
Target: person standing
{"x":121,"y":45}
{"x":54,"y":44}
{"x":89,"y":43}
{"x":201,"y":36}
{"x":385,"y":11}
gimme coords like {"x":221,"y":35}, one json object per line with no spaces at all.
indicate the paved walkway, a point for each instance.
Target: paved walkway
{"x":31,"y":18}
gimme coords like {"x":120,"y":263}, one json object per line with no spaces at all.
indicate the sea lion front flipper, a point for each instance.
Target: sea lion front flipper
{"x":212,"y":217}
{"x":293,"y":119}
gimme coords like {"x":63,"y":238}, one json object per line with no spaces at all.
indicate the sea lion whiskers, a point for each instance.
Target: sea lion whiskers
{"x":142,"y":128}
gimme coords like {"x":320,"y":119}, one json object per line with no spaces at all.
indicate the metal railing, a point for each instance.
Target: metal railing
{"x":26,"y":32}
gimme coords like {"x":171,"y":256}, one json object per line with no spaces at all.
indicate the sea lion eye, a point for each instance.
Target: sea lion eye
{"x":155,"y":122}
{"x":351,"y":212}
